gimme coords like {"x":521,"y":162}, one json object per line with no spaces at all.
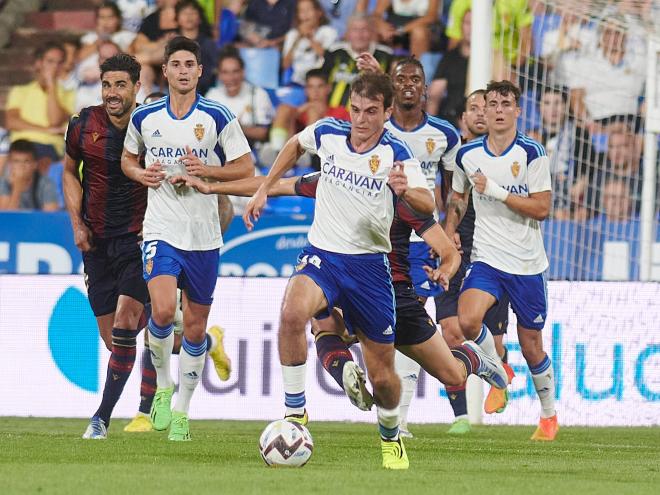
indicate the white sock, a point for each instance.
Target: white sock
{"x":543,"y":376}
{"x":408,"y":371}
{"x":486,"y":341}
{"x":388,"y":423}
{"x":161,"y":344}
{"x":293,"y":378}
{"x":191,"y":366}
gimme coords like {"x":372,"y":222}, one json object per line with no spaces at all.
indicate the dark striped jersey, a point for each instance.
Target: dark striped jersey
{"x":406,"y":219}
{"x":112,"y":204}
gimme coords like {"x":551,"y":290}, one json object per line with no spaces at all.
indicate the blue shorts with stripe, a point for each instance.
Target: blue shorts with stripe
{"x":359,"y":284}
{"x":419,"y":256}
{"x":527,"y":293}
{"x":195,"y":271}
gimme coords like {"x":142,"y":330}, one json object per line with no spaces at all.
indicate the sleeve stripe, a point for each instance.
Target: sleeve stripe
{"x":447,"y":129}
{"x":219,"y":106}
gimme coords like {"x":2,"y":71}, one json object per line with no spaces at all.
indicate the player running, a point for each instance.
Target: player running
{"x":183,"y":132}
{"x":510,"y":177}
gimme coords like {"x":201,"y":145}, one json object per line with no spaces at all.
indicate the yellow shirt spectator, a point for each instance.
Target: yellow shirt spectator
{"x":32,"y":101}
{"x":509,"y":17}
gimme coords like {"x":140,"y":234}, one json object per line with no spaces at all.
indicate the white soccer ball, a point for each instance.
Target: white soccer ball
{"x":285,"y":443}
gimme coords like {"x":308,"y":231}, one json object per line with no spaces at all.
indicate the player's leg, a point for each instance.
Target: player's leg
{"x":529,"y":303}
{"x":497,"y":321}
{"x":408,"y":371}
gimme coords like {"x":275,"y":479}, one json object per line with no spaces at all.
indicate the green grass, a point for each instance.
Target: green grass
{"x":48,"y":456}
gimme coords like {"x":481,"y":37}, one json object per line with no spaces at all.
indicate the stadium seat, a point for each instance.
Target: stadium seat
{"x":430,"y":61}
{"x":262,"y":66}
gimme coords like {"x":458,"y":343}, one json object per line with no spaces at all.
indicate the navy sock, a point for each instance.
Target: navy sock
{"x":457,"y":400}
{"x":148,"y":385}
{"x":333,"y":354}
{"x":120,"y":366}
{"x":466,"y":356}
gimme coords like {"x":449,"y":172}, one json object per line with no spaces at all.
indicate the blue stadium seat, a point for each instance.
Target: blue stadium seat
{"x":262,"y":66}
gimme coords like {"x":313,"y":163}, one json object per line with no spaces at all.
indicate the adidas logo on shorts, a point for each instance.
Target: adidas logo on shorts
{"x":388,"y":331}
{"x":538,"y":319}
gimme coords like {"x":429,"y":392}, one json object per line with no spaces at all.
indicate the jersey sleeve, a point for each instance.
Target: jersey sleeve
{"x":73,"y":138}
{"x":307,"y":138}
{"x":453,"y":144}
{"x":307,"y":184}
{"x":459,"y":181}
{"x":419,"y":222}
{"x":233,"y":141}
{"x":538,"y":175}
{"x":133,"y":142}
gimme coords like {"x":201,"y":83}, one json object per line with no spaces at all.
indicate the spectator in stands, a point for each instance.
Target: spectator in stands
{"x":512,"y":33}
{"x":192,"y":24}
{"x":4,"y":149}
{"x":156,"y":29}
{"x":88,"y":92}
{"x":568,"y":147}
{"x":68,"y":75}
{"x":306,"y":43}
{"x":249,"y":103}
{"x":39,"y":110}
{"x":446,"y":93}
{"x":133,"y":12}
{"x":617,"y":201}
{"x":606,"y":86}
{"x":149,"y":82}
{"x":265,"y":22}
{"x":108,"y":27}
{"x":622,"y":156}
{"x":405,"y":24}
{"x":22,"y":187}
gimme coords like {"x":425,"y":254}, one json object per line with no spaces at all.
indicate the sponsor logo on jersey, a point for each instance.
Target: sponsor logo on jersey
{"x":374,"y":163}
{"x":176,"y":152}
{"x":350,"y":178}
{"x":515,"y":169}
{"x":430,"y":145}
{"x":199,"y":132}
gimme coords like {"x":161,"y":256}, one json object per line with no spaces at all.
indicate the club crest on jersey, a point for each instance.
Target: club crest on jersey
{"x":430,"y":145}
{"x":199,"y":132}
{"x":95,"y":136}
{"x":149,"y":266}
{"x":515,"y":169}
{"x":374,"y":163}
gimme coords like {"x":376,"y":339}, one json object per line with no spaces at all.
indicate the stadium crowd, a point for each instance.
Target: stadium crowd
{"x":282,"y":64}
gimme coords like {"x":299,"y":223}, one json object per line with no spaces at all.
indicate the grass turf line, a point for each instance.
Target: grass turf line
{"x":48,"y":456}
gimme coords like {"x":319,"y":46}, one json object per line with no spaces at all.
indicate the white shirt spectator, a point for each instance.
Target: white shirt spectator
{"x":304,"y":57}
{"x":252,"y":105}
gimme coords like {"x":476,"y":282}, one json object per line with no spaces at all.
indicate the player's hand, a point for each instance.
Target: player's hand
{"x":489,"y":187}
{"x":82,"y":236}
{"x":368,"y":63}
{"x":153,"y":175}
{"x":194,"y":166}
{"x":438,"y":276}
{"x":254,"y":208}
{"x":190,"y":181}
{"x":397,"y":179}
{"x":479,"y":180}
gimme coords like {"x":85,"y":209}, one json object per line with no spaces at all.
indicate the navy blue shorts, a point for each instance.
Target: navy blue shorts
{"x":359,"y":284}
{"x":112,"y":269}
{"x":446,"y":305}
{"x":528,"y":293}
{"x":419,"y":257}
{"x":413,"y":323}
{"x":196,"y":271}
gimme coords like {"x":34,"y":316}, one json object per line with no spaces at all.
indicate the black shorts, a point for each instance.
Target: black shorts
{"x":112,"y":269}
{"x":446,"y":305}
{"x":413,"y":323}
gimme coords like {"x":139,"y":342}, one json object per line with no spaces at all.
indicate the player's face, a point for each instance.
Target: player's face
{"x":182,"y":72}
{"x":501,"y":112}
{"x":409,"y":86}
{"x":474,"y":117}
{"x":367,"y":116}
{"x":118,"y":93}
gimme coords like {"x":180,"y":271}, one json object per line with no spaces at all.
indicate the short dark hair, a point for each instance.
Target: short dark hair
{"x":230,"y":52}
{"x":372,"y":85}
{"x":463,"y":106}
{"x":122,"y":63}
{"x":109,"y":5}
{"x":403,"y":61}
{"x":41,"y":50}
{"x":179,"y":43}
{"x":23,"y":146}
{"x":503,"y":88}
{"x":558,"y":90}
{"x":318,"y":73}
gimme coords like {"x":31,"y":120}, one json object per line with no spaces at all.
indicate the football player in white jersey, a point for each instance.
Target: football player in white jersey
{"x":346,"y":264}
{"x":183,"y":133}
{"x":510,"y":177}
{"x":434,"y":143}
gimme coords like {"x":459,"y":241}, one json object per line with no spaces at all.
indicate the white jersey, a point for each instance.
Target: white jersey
{"x":354,"y":204}
{"x":181,"y":216}
{"x":503,"y":238}
{"x":434,"y":143}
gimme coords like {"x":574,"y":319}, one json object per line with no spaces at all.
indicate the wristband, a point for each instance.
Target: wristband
{"x":495,"y":191}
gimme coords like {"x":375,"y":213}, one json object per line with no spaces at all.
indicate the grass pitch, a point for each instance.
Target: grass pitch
{"x":48,"y":456}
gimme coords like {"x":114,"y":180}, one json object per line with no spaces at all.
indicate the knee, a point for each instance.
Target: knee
{"x":532,"y":351}
{"x":162,"y":313}
{"x":451,"y":331}
{"x":470,"y":324}
{"x":292,"y":320}
{"x":128,"y":318}
{"x":387,"y":388}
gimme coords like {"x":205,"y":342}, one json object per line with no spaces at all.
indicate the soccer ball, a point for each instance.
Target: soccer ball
{"x":285,"y":443}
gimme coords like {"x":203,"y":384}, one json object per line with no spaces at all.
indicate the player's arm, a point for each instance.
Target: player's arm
{"x":457,"y":202}
{"x":414,"y":191}
{"x":450,"y":259}
{"x":225,"y":211}
{"x":242,"y":187}
{"x":150,"y":176}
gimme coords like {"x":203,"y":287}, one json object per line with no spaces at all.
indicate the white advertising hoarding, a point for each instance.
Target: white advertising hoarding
{"x":603,"y":338}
